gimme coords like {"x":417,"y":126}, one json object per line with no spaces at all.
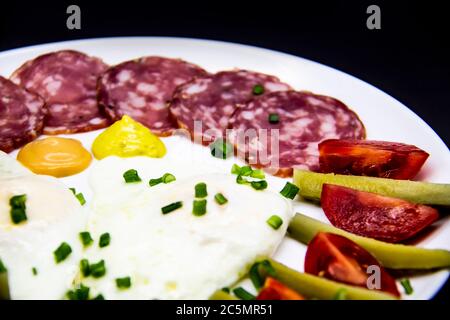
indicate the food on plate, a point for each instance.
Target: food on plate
{"x":314,"y":287}
{"x":275,"y":290}
{"x":55,"y":156}
{"x":205,"y":105}
{"x":221,"y":295}
{"x":371,"y":158}
{"x":21,"y":115}
{"x":127,"y":138}
{"x":176,"y":254}
{"x":142,"y":89}
{"x":371,"y":215}
{"x":337,"y":258}
{"x":310,"y":184}
{"x":67,"y":81}
{"x":303,"y":120}
{"x":392,"y":256}
{"x":39,"y":224}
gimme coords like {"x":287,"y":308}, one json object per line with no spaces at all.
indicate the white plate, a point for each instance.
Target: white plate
{"x":384,"y":117}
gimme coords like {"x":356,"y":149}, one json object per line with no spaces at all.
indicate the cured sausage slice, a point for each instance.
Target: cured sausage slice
{"x":67,"y":80}
{"x":282,"y":130}
{"x":21,"y":115}
{"x":204,"y":105}
{"x":142,"y":89}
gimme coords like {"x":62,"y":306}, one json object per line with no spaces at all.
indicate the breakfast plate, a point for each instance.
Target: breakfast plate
{"x":383,"y":117}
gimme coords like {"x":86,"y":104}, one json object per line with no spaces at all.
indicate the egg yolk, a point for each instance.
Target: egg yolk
{"x":127,"y":138}
{"x":55,"y":156}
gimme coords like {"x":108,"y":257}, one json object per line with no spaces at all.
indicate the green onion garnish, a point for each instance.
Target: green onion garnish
{"x":74,"y":191}
{"x":341,"y":294}
{"x":2,"y":267}
{"x":166,"y":178}
{"x":258,"y":90}
{"x":245,"y":171}
{"x":81,"y":293}
{"x":221,"y":149}
{"x":80,"y":198}
{"x":62,"y":252}
{"x":406,"y":284}
{"x":171,"y":207}
{"x":241,"y":180}
{"x":85,"y":267}
{"x":131,"y":176}
{"x":200,"y":190}
{"x":123,"y":283}
{"x":86,"y":238}
{"x":98,"y":269}
{"x":274,"y":118}
{"x":99,"y":297}
{"x":18,"y":207}
{"x":255,"y":277}
{"x":235,"y":169}
{"x":243,"y":294}
{"x":275,"y":222}
{"x":290,"y":190}
{"x":258,"y":174}
{"x":34,"y":271}
{"x":220,"y":198}
{"x":199,"y":207}
{"x":104,"y":241}
{"x":259,"y":185}
{"x":226,"y":289}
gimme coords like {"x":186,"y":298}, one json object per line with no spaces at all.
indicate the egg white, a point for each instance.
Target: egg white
{"x":54,"y":216}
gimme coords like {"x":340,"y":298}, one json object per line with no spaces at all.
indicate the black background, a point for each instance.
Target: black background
{"x":409,"y":58}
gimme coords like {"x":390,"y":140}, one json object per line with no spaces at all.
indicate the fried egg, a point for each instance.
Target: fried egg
{"x":53,"y":216}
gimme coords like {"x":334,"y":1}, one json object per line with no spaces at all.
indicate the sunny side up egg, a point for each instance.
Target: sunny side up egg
{"x":177,"y":255}
{"x":53,"y":216}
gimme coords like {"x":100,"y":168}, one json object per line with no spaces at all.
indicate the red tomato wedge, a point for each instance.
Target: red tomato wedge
{"x":274,"y":290}
{"x":371,"y":158}
{"x":337,"y":258}
{"x":374,"y":216}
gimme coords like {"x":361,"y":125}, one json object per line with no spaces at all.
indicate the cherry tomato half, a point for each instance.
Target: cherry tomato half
{"x":275,"y":290}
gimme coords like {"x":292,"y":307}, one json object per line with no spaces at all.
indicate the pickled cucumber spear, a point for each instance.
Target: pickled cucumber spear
{"x":313,"y":286}
{"x":310,"y":184}
{"x":394,"y":256}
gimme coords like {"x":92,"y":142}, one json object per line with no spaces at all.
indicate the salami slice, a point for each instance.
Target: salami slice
{"x":142,"y":89}
{"x":21,"y":115}
{"x":67,"y":80}
{"x":204,"y":106}
{"x":282,"y":130}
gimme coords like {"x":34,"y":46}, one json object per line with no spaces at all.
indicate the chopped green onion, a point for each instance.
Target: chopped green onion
{"x":258,"y":174}
{"x":81,"y":293}
{"x":200,"y":190}
{"x":220,"y":198}
{"x":341,"y":294}
{"x":99,"y":297}
{"x":86,"y":238}
{"x":274,"y":118}
{"x":241,"y":180}
{"x":98,"y":269}
{"x":406,"y":284}
{"x":226,"y":289}
{"x":171,"y":207}
{"x":85,"y":267}
{"x":131,"y":176}
{"x":290,"y":190}
{"x":199,"y":207}
{"x":275,"y":222}
{"x":168,"y":178}
{"x":18,"y":207}
{"x":259,"y":185}
{"x":104,"y":241}
{"x":2,"y":267}
{"x":245,"y":171}
{"x":62,"y":252}
{"x":243,"y":294}
{"x":80,"y":198}
{"x":74,"y":191}
{"x":154,"y":182}
{"x":258,"y":90}
{"x":235,"y":169}
{"x":123,"y":283}
{"x":221,"y":149}
{"x":255,"y":277}
{"x":34,"y":271}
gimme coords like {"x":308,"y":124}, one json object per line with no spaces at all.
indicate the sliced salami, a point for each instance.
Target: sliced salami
{"x":67,"y":80}
{"x":21,"y":115}
{"x":142,"y":89}
{"x":282,"y":130}
{"x":204,"y":105}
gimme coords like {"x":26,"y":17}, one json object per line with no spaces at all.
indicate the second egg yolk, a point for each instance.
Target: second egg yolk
{"x":55,"y":156}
